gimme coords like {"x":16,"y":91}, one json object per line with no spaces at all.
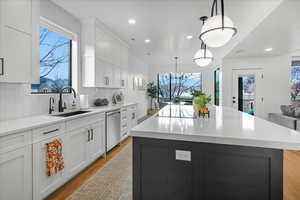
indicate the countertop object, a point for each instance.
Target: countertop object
{"x":101,"y":102}
{"x":225,"y":126}
{"x":28,"y":123}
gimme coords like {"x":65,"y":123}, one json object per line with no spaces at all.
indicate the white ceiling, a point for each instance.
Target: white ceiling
{"x":168,"y":22}
{"x":280,"y":31}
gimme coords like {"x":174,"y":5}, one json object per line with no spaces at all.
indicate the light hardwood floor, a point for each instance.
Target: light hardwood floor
{"x":291,"y":175}
{"x":71,"y":186}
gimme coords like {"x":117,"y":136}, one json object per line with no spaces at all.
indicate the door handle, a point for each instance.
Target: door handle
{"x":233,"y":97}
{"x":92,"y":133}
{"x":233,"y":101}
{"x":89,"y":135}
{"x":2,"y":67}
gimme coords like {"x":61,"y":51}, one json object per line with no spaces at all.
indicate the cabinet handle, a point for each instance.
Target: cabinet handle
{"x":92,"y":137}
{"x":2,"y":67}
{"x":106,"y":80}
{"x":47,"y":132}
{"x":89,"y":135}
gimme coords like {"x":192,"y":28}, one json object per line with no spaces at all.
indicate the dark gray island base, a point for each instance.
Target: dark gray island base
{"x":212,"y":172}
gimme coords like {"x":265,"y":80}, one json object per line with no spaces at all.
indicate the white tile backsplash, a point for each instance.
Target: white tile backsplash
{"x":16,"y":101}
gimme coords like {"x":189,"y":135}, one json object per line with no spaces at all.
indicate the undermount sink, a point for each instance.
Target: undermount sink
{"x":72,"y":113}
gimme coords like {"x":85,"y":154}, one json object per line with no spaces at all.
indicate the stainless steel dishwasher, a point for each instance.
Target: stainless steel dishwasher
{"x":113,"y":129}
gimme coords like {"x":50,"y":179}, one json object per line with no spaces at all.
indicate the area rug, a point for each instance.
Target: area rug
{"x":112,"y":182}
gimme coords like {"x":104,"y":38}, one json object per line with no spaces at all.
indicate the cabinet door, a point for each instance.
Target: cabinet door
{"x":100,"y":44}
{"x":42,"y":183}
{"x":77,"y":150}
{"x":123,"y":78}
{"x":116,"y":77}
{"x":101,"y":76}
{"x":109,"y":74}
{"x":16,"y":14}
{"x":16,"y":53}
{"x":16,"y":174}
{"x":97,"y":143}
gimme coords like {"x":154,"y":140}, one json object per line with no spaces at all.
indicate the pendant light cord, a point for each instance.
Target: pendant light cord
{"x":215,"y":8}
{"x":203,"y":45}
{"x":176,"y":64}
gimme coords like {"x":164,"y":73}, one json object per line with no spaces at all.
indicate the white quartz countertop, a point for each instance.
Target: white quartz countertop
{"x":28,"y":123}
{"x":225,"y":126}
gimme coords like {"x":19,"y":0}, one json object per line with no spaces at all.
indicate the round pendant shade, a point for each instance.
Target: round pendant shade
{"x":213,"y":34}
{"x":203,"y":58}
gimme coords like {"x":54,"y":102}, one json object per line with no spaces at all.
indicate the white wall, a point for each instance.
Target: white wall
{"x":137,"y":69}
{"x":17,"y":102}
{"x":276,"y":82}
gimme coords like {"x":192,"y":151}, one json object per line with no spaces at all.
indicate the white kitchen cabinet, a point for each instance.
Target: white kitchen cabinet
{"x":131,"y":116}
{"x":77,"y":150}
{"x":16,"y":14}
{"x":18,"y":20}
{"x":97,"y":140}
{"x":42,"y":183}
{"x":116,"y":77}
{"x":123,"y":78}
{"x":124,"y":124}
{"x":104,"y":56}
{"x":85,"y":144}
{"x":16,"y":174}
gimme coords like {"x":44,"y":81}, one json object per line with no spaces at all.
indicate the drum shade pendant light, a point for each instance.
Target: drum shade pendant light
{"x":203,"y":57}
{"x":218,"y":29}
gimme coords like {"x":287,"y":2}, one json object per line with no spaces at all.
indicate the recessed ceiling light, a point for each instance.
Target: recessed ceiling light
{"x":131,"y":21}
{"x":147,"y":40}
{"x":189,"y":37}
{"x":268,"y":49}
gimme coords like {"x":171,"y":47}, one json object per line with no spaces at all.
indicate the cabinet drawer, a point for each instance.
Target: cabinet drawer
{"x":48,"y":132}
{"x":133,"y":107}
{"x":14,"y":141}
{"x":123,"y":126}
{"x":84,"y":121}
{"x":123,"y":116}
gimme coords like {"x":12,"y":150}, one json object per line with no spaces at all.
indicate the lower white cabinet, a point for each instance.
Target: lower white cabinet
{"x":77,"y":150}
{"x":132,"y":116}
{"x":23,"y":165}
{"x":43,"y":184}
{"x":16,"y":174}
{"x":85,"y":145}
{"x":96,"y":147}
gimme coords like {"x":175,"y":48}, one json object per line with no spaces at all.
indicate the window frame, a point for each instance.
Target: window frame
{"x":170,"y":83}
{"x":217,"y":78}
{"x":55,"y":28}
{"x":294,"y":63}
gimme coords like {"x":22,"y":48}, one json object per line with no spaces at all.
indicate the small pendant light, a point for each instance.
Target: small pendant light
{"x":203,"y":56}
{"x":218,"y":29}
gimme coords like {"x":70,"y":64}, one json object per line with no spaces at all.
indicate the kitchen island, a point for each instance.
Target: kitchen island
{"x":231,"y":155}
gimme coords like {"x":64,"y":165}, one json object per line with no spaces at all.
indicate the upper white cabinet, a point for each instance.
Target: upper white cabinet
{"x":105,"y":56}
{"x":18,"y":37}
